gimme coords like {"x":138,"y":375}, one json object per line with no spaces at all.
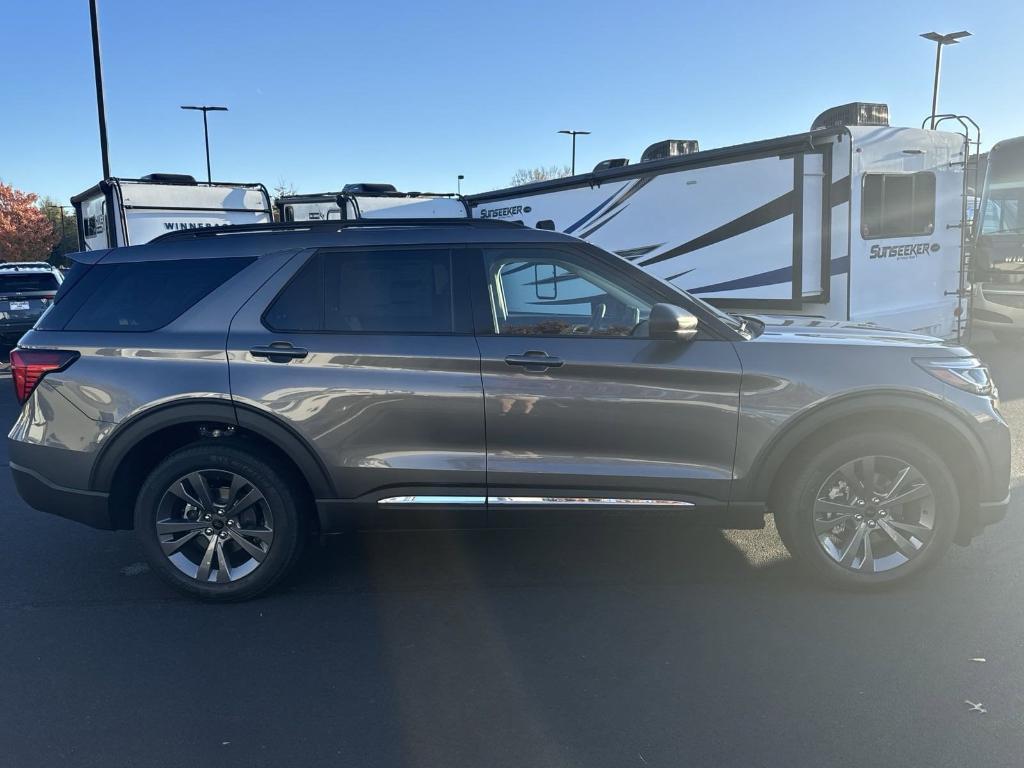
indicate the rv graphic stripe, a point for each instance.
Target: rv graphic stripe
{"x":572,"y":228}
{"x":840,"y":192}
{"x":596,"y":227}
{"x":774,"y":210}
{"x":635,"y":253}
{"x":840,"y":266}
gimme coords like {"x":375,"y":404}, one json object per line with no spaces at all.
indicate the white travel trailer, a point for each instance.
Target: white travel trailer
{"x":370,"y":201}
{"x":118,"y":212}
{"x":853,"y":220}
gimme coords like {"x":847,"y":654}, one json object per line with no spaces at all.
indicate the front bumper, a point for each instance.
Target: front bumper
{"x":88,"y":507}
{"x":998,"y":307}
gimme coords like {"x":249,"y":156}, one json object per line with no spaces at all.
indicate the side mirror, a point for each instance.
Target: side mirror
{"x":668,"y":321}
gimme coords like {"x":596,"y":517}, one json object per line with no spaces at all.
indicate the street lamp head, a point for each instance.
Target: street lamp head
{"x":207,"y":109}
{"x":950,"y":39}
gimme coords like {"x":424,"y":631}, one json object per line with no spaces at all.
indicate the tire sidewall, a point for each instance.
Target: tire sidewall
{"x":275,"y":490}
{"x":797,"y":520}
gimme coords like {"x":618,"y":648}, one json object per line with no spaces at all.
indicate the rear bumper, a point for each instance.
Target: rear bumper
{"x":88,"y":507}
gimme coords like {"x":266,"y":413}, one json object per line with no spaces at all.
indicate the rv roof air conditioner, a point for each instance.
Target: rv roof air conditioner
{"x":169,"y":178}
{"x":615,"y":162}
{"x":854,"y":113}
{"x":669,"y":148}
{"x":369,"y":189}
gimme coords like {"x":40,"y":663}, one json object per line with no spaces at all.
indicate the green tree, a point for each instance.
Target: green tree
{"x":67,"y":230}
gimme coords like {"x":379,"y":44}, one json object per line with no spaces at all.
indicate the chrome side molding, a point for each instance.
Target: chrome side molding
{"x":584,"y":501}
{"x":560,"y":501}
{"x":433,"y":500}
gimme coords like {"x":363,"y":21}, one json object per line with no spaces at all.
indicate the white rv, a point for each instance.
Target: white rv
{"x":370,"y":201}
{"x":853,"y":220}
{"x":118,"y":212}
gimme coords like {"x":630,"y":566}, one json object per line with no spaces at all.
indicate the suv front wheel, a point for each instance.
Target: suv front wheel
{"x":869,"y":509}
{"x":218,"y":522}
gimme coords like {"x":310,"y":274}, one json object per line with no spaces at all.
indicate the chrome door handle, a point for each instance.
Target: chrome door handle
{"x":279,"y":352}
{"x":534,"y":361}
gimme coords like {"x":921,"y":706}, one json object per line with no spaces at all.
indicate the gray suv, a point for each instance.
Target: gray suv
{"x":228,"y":392}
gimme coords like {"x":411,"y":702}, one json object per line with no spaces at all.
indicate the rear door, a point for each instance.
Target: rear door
{"x":369,"y":356}
{"x":584,"y":411}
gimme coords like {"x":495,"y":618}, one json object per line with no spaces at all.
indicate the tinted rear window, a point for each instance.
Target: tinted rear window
{"x":27,"y":281}
{"x":137,"y":296}
{"x":400,"y":292}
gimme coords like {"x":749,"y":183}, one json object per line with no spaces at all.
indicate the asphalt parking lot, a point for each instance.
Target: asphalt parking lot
{"x":568,"y":648}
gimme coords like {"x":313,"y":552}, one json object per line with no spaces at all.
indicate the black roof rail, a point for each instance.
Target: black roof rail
{"x":327,"y":226}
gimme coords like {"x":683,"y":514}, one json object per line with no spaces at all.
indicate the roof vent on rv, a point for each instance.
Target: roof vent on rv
{"x":854,"y":113}
{"x":169,"y":178}
{"x":369,"y":189}
{"x":669,"y":148}
{"x":615,"y":162}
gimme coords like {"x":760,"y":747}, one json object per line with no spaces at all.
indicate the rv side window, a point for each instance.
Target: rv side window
{"x":898,"y":204}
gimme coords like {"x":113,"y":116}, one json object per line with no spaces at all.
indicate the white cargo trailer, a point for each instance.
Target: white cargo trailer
{"x":853,"y":220}
{"x":370,"y":201}
{"x":118,"y":212}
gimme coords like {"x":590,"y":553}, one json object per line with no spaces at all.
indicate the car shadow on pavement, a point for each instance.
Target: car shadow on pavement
{"x":578,"y":556}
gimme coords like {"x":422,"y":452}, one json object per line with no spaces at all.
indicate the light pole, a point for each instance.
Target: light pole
{"x":940,"y":40}
{"x":98,"y":73}
{"x":574,"y":134}
{"x":206,"y":134}
{"x":458,"y":181}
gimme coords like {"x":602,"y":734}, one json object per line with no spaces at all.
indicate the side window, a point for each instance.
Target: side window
{"x":898,"y":204}
{"x":535,"y":292}
{"x":125,"y":297}
{"x":396,"y":291}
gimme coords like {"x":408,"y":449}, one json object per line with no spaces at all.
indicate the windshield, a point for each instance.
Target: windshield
{"x":1003,"y":198}
{"x":1003,"y":212}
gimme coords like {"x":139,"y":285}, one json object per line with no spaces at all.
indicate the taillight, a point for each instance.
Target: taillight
{"x":28,"y":366}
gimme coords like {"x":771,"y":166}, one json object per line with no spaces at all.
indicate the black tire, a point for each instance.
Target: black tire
{"x":795,"y":506}
{"x":281,"y":506}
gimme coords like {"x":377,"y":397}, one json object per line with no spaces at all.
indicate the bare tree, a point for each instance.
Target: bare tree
{"x":284,"y":188}
{"x":540,"y":173}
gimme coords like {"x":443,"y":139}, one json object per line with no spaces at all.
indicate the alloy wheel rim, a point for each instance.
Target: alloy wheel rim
{"x":215,"y":526}
{"x":874,"y":514}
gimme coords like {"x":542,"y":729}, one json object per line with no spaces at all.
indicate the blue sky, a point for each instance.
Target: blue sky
{"x":413,"y":93}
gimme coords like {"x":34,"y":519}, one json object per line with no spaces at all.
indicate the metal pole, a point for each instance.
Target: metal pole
{"x":98,"y":68}
{"x":574,"y":153}
{"x":206,"y":138}
{"x":935,"y":86}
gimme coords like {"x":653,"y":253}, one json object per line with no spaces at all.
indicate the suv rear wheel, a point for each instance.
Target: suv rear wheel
{"x":869,"y":510}
{"x":218,"y":522}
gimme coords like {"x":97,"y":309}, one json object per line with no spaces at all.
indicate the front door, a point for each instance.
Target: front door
{"x":368,"y":355}
{"x":584,"y":412}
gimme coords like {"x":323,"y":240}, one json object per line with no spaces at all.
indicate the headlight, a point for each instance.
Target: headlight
{"x":966,"y":373}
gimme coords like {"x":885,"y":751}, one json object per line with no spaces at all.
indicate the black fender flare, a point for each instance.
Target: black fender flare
{"x":130,"y":433}
{"x":774,"y":454}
